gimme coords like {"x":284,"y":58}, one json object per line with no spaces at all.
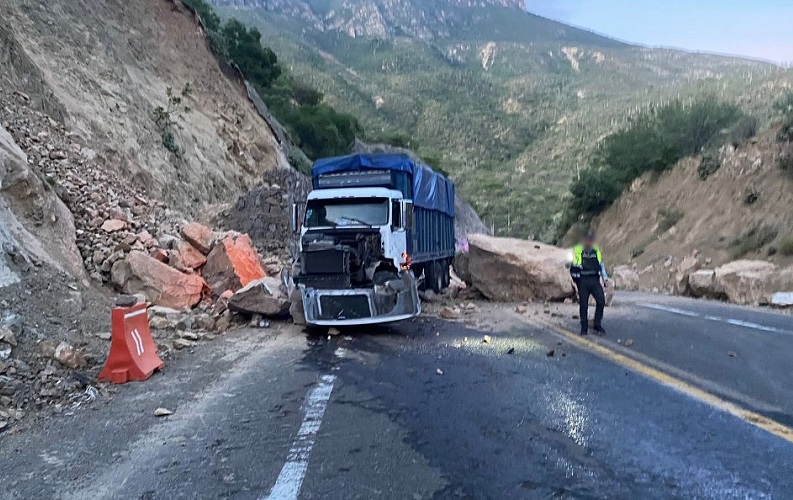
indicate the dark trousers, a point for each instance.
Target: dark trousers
{"x":590,"y":285}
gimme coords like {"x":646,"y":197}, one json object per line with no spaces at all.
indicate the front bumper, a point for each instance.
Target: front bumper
{"x":394,"y":301}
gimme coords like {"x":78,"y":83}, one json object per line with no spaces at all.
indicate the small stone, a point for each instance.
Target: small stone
{"x":104,"y":335}
{"x":550,"y":353}
{"x":732,"y":354}
{"x":629,"y":342}
{"x":126,"y":300}
{"x":69,"y":356}
{"x":511,"y":350}
{"x":162,"y":412}
{"x":487,"y":339}
{"x":438,"y":371}
{"x":113,"y":225}
{"x":180,"y":344}
{"x":450,"y":313}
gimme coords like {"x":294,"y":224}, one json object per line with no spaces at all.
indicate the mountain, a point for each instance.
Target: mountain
{"x":512,"y":105}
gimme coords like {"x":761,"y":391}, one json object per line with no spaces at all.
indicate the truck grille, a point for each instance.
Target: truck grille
{"x":326,"y":261}
{"x":344,"y":306}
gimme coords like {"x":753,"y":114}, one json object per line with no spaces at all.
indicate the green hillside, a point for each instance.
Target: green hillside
{"x":510,"y":104}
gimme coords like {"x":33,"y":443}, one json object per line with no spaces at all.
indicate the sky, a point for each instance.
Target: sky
{"x":761,"y":29}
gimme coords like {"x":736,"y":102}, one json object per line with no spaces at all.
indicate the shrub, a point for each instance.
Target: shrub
{"x":595,"y":190}
{"x":164,"y":117}
{"x":744,"y":129}
{"x":753,"y":240}
{"x":785,"y":108}
{"x":786,"y":245}
{"x":668,"y":218}
{"x":653,"y":142}
{"x":709,"y":165}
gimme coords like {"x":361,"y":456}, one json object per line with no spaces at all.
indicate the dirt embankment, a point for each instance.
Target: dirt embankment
{"x":104,"y":67}
{"x":743,"y":210}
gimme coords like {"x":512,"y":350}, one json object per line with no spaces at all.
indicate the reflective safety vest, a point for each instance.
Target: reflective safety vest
{"x":578,"y":255}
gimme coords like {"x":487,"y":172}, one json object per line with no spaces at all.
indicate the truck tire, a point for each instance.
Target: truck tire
{"x":447,"y":277}
{"x":436,"y":277}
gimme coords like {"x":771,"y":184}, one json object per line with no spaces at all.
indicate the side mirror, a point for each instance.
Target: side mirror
{"x":294,"y":219}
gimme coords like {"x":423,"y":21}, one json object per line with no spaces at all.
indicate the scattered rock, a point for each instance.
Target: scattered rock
{"x":511,"y":350}
{"x":186,"y":257}
{"x":629,"y":342}
{"x":450,"y":313}
{"x":332,"y":331}
{"x":199,"y":236}
{"x":162,"y":412}
{"x":263,"y":296}
{"x":732,"y":354}
{"x":551,"y":353}
{"x":625,"y":278}
{"x":7,"y":336}
{"x":113,"y":225}
{"x":296,"y":307}
{"x":126,"y":300}
{"x":487,"y":339}
{"x":182,"y":343}
{"x":69,"y":356}
{"x":438,"y":371}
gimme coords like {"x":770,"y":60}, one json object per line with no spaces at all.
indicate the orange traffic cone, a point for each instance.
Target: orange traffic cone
{"x":133,"y":353}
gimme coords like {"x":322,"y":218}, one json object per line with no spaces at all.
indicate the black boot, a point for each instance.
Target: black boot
{"x":584,"y":331}
{"x":600,"y":331}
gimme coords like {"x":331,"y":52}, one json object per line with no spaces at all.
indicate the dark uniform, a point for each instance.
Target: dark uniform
{"x":587,"y":268}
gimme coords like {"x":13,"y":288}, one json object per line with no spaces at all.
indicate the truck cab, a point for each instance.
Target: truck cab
{"x":360,"y":236}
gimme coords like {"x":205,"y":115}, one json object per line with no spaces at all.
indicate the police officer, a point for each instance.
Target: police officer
{"x":586,"y":270}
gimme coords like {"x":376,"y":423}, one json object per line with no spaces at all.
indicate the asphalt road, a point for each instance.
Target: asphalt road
{"x":426,"y":409}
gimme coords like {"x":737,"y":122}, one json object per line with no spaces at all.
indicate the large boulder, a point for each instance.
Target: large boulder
{"x":161,"y":284}
{"x":702,"y":283}
{"x":232,"y":264}
{"x":186,"y":257}
{"x":513,"y":270}
{"x":200,"y":236}
{"x":751,"y":282}
{"x":264,"y":296}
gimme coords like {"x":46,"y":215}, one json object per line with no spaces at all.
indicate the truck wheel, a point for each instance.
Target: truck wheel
{"x":447,"y":277}
{"x":436,"y":277}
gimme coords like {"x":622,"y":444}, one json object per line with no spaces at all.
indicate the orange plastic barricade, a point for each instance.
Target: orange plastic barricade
{"x":133,"y":353}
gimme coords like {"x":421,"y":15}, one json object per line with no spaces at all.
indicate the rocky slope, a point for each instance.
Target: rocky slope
{"x":512,"y":104}
{"x":103,"y":68}
{"x":670,"y":224}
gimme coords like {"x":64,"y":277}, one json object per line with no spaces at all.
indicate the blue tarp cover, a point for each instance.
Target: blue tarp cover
{"x":431,"y":190}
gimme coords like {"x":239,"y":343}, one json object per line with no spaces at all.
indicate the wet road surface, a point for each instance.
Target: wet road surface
{"x":426,"y":409}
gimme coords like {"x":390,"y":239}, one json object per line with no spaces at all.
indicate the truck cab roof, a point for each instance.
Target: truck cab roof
{"x":356,"y":192}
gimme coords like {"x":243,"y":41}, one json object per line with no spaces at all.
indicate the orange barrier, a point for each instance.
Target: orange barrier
{"x":133,"y":353}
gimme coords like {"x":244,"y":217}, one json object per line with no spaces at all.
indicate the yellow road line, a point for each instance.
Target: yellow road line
{"x":754,"y":418}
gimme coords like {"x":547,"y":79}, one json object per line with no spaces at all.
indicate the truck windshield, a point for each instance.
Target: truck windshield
{"x":347,"y":212}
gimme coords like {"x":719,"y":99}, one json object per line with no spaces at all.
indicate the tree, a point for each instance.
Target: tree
{"x":259,"y":64}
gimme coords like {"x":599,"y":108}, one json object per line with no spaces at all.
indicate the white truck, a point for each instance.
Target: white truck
{"x":376,"y":226}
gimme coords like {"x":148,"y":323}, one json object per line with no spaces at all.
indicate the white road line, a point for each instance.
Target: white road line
{"x":287,"y":486}
{"x":736,"y":322}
